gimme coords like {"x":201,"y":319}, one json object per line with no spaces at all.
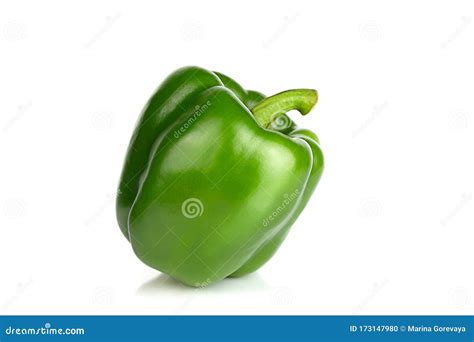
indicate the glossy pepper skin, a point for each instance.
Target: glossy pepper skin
{"x":215,"y":176}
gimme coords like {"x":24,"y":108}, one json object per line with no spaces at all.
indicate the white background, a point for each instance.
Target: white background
{"x":389,"y":229}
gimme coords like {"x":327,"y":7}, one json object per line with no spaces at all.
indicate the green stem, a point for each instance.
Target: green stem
{"x":302,"y":100}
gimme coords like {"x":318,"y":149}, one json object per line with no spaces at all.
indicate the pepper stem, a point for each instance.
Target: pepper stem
{"x":302,"y":100}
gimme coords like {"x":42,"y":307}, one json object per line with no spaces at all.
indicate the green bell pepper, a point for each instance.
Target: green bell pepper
{"x":215,"y":176}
